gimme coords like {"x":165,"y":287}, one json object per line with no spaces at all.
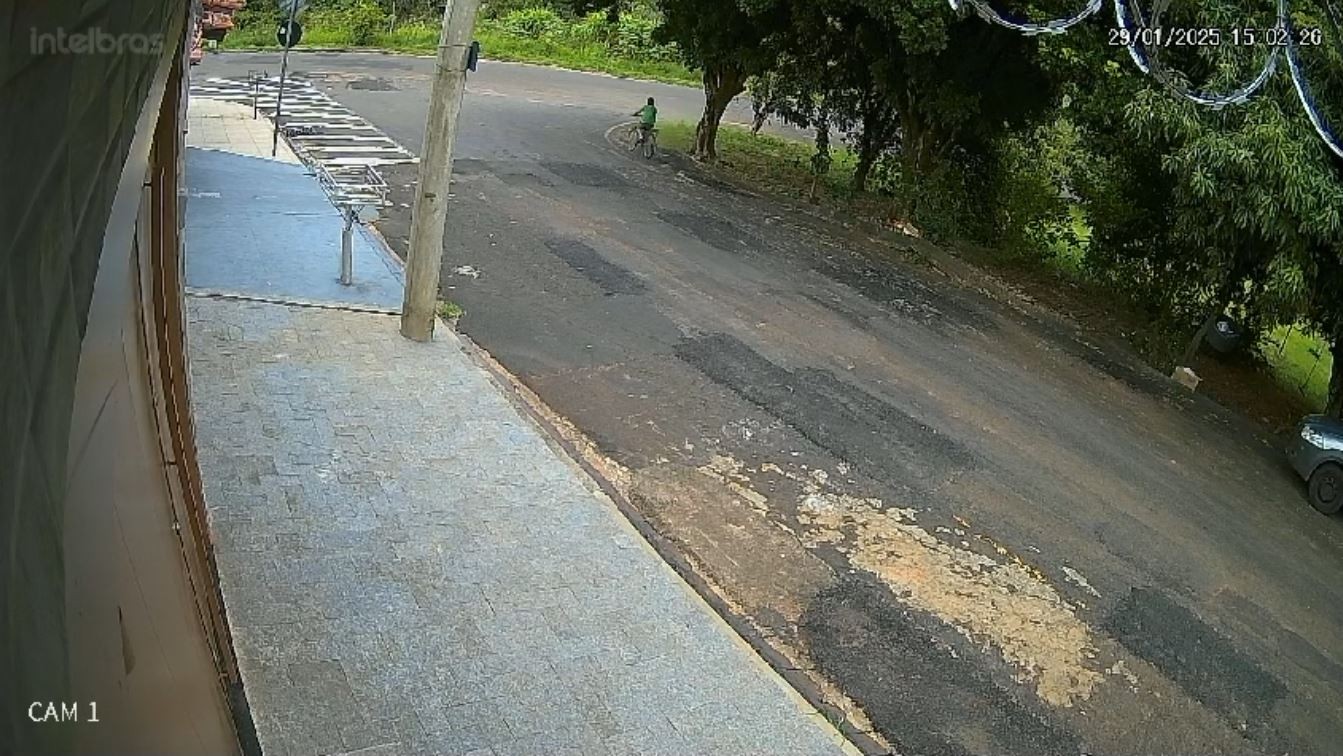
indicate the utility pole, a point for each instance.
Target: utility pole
{"x":425,"y":259}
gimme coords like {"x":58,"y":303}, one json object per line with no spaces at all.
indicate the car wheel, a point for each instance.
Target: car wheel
{"x":1326,"y":488}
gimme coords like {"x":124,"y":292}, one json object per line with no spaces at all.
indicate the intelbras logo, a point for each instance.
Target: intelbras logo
{"x":93,"y":41}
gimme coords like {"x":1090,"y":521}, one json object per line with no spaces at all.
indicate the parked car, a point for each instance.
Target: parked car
{"x":1317,"y":455}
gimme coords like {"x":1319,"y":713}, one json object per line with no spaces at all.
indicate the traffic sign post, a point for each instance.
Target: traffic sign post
{"x":288,"y":35}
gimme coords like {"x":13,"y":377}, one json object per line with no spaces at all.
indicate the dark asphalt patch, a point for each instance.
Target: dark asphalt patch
{"x":1139,"y":378}
{"x":470,"y":167}
{"x":708,"y":229}
{"x":1200,"y":660}
{"x":688,"y":168}
{"x":1124,"y":369}
{"x":881,"y":440}
{"x":906,"y":296}
{"x":525,"y":178}
{"x":584,"y":174}
{"x":1288,"y":642}
{"x":925,"y":689}
{"x":841,"y":308}
{"x":612,"y":278}
{"x":374,"y":84}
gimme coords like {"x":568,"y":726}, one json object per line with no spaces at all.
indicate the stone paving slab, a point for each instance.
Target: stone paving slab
{"x":410,"y":568}
{"x":229,"y":127}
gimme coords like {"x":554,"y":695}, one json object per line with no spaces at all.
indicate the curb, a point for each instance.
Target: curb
{"x":798,"y":679}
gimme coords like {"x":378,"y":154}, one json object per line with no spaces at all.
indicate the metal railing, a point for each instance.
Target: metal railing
{"x":353,"y":189}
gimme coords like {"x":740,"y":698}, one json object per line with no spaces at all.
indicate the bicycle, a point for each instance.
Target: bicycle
{"x":646,"y":138}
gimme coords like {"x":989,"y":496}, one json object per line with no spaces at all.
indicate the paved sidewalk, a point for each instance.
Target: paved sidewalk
{"x":410,"y":568}
{"x":264,"y":228}
{"x":227,"y":126}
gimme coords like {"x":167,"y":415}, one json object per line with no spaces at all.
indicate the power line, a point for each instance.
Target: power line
{"x":1129,"y":17}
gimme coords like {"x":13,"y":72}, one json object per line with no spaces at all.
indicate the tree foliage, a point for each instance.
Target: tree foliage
{"x":1199,"y":211}
{"x":730,"y":41}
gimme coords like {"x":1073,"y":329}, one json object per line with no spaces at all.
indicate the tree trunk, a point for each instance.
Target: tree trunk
{"x":878,"y":133}
{"x":912,"y":136}
{"x":1191,"y":350}
{"x":867,"y":157}
{"x":820,"y":160}
{"x":721,"y":84}
{"x":759,"y":123}
{"x":917,"y":145}
{"x":1333,"y":406}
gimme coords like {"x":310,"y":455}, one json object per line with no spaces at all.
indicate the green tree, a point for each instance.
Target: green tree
{"x":894,"y":74}
{"x":730,"y":41}
{"x":828,"y":65}
{"x":1197,"y":211}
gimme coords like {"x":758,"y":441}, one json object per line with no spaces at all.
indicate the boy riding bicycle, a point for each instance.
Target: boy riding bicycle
{"x":648,"y":119}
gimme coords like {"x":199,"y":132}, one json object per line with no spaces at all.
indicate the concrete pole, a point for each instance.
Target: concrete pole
{"x":347,"y":249}
{"x":430,"y":213}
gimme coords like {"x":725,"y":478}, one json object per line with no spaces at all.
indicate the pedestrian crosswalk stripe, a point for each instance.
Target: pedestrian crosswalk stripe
{"x":322,"y":130}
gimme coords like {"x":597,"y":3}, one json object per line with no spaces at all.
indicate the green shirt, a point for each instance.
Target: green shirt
{"x":649,"y":114}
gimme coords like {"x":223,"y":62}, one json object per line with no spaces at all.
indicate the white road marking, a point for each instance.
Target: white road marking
{"x":340,"y":137}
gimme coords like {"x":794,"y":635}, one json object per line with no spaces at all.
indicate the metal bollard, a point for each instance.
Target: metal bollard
{"x":347,"y":249}
{"x":255,"y":79}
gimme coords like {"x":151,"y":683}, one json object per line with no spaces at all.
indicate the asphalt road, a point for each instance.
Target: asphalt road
{"x":983,"y":533}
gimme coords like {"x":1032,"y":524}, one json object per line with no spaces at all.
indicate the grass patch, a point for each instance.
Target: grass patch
{"x":496,"y":43}
{"x":262,"y":37}
{"x":782,"y":166}
{"x":500,"y":45}
{"x":449,"y":310}
{"x":416,"y":37}
{"x":1300,"y":363}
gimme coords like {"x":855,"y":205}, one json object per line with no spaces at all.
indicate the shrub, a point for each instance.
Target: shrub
{"x":592,"y":28}
{"x":498,"y":9}
{"x":952,"y":202}
{"x":633,"y":38}
{"x":258,"y":17}
{"x":1032,"y":215}
{"x":534,"y":23}
{"x":364,"y":20}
